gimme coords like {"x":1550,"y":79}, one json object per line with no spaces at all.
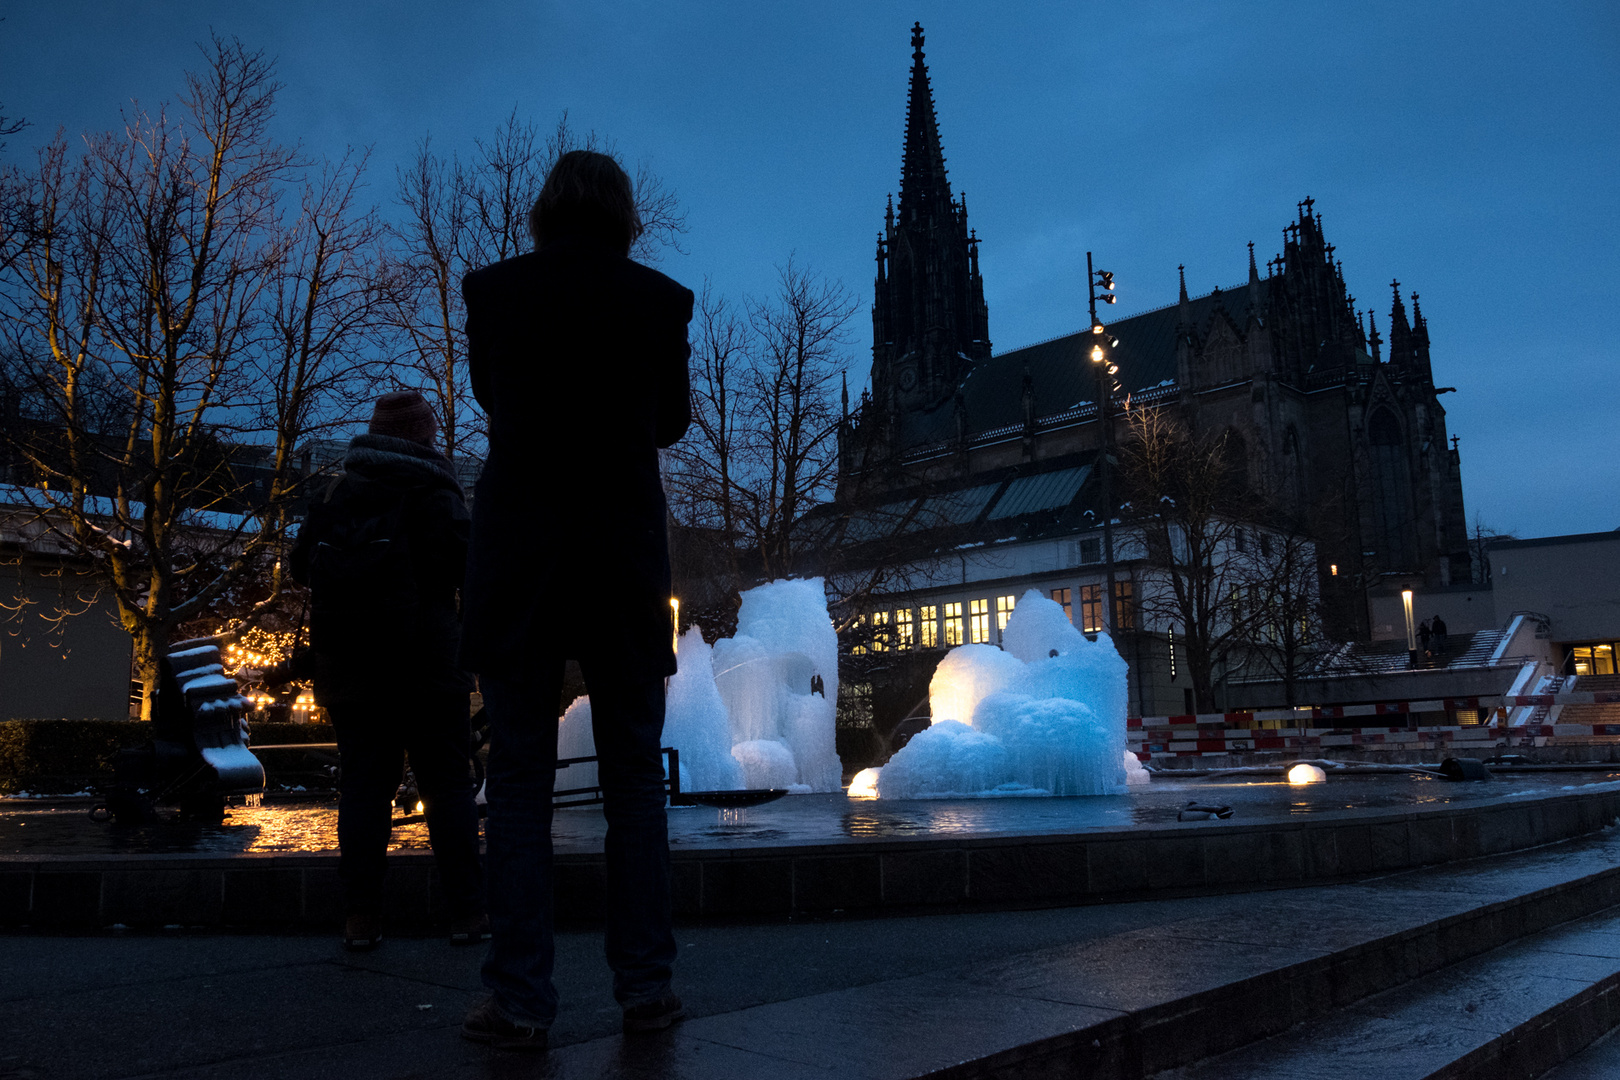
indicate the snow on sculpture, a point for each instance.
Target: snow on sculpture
{"x":1043,"y":715}
{"x":755,"y":711}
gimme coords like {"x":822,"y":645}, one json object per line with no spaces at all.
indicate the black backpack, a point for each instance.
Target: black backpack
{"x":365,"y":603}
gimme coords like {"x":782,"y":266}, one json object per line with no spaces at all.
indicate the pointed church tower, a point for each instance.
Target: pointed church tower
{"x":1400,"y":332}
{"x":1310,"y":312}
{"x":929,"y":319}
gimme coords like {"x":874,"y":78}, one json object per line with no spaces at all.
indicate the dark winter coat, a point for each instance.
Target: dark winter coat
{"x":578,"y":354}
{"x":380,"y":473}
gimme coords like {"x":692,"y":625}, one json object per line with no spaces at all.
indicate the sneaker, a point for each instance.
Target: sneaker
{"x":655,"y":1014}
{"x":488,"y":1023}
{"x":469,"y":929}
{"x":361,"y":933}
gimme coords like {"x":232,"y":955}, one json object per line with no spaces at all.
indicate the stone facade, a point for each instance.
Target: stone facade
{"x":1352,"y":441}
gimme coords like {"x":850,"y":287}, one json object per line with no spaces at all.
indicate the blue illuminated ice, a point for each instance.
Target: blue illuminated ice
{"x":1043,"y":715}
{"x":743,"y":714}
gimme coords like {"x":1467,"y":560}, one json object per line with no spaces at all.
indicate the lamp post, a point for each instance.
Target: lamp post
{"x":1101,"y":342}
{"x":1411,"y":634}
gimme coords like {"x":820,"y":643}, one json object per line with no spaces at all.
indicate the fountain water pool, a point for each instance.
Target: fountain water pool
{"x":310,"y":824}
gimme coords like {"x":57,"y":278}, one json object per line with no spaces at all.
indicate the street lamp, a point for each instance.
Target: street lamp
{"x":1100,"y":286}
{"x":1411,"y":634}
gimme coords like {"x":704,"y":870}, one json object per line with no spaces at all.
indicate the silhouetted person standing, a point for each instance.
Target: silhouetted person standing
{"x":578,"y":354}
{"x":383,"y":549}
{"x":1439,"y":628}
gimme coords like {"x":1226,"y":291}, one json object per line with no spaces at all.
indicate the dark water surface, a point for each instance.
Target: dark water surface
{"x":311,"y":824}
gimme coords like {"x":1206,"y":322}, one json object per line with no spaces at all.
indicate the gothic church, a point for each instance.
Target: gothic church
{"x":1282,"y":360}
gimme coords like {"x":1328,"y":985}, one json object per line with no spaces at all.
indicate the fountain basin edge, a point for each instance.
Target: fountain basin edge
{"x":846,"y":875}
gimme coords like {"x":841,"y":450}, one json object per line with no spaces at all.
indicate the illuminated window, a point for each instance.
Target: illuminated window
{"x":928,"y":616}
{"x":1091,"y":617}
{"x":979,"y":622}
{"x":1061,"y":597}
{"x":859,"y":633}
{"x":1594,"y":659}
{"x":953,"y":624}
{"x":903,"y":629}
{"x":1124,"y":610}
{"x":880,"y":631}
{"x":1004,"y":610}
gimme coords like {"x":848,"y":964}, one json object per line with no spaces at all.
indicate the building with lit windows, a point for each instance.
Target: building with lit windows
{"x":986,"y":464}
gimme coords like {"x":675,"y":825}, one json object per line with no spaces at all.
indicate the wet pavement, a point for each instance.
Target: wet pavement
{"x":309,"y":824}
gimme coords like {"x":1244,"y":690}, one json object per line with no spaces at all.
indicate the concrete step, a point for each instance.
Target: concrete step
{"x":1600,"y":1061}
{"x":1142,"y":1002}
{"x":1516,"y":1011}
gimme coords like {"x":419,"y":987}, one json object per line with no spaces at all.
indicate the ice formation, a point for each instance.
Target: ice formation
{"x":1135,"y":771}
{"x":575,"y":740}
{"x":1045,"y":714}
{"x":785,"y":646}
{"x":696,"y":722}
{"x":755,"y":711}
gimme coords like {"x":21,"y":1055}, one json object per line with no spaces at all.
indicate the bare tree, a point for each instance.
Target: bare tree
{"x":762,"y":454}
{"x":160,"y":270}
{"x":704,"y":484}
{"x":1186,"y":499}
{"x":792,"y":428}
{"x":461,"y":215}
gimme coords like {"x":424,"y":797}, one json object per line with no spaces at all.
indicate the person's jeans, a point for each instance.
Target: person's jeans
{"x":627,"y":718}
{"x":373,"y":741}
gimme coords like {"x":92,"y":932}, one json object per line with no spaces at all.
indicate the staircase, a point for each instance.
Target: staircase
{"x":1380,"y":657}
{"x":1606,"y":713}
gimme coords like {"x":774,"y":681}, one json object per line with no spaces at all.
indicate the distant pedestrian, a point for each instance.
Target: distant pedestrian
{"x":578,"y":354}
{"x":1424,"y":633}
{"x":1439,"y":632}
{"x":383,"y":550}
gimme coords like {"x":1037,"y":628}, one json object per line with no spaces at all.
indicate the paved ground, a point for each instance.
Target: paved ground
{"x":121,"y":1005}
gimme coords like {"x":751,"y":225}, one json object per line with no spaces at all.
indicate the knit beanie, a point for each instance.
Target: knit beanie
{"x":404,"y":414}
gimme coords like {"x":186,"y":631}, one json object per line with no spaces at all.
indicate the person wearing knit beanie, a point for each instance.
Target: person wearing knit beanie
{"x":404,"y":414}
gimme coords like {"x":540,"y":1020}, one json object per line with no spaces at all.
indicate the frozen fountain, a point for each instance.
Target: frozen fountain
{"x":1043,"y":715}
{"x":755,"y":711}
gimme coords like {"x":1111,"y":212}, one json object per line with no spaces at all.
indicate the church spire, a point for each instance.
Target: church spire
{"x":929,"y":320}
{"x":1184,"y":312}
{"x":923,"y":184}
{"x":1254,"y":283}
{"x":1400,"y":331}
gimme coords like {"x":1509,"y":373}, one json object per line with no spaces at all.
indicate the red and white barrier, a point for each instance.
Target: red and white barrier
{"x":1333,"y":712}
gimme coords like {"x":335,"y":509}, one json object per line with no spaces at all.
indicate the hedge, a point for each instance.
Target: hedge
{"x":49,"y":756}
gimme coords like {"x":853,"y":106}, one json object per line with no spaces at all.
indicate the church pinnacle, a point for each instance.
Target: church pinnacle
{"x":923,"y":184}
{"x":929,"y":323}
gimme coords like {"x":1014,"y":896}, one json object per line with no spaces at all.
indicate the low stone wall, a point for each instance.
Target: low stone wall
{"x":296,"y":892}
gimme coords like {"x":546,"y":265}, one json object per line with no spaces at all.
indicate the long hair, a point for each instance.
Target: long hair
{"x":586,"y":194}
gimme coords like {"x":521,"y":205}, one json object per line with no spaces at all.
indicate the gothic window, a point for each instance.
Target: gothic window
{"x":1390,"y":489}
{"x":1236,"y":453}
{"x":1293,"y":468}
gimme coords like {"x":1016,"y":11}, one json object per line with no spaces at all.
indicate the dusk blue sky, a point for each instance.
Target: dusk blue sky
{"x":1468,"y":149}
